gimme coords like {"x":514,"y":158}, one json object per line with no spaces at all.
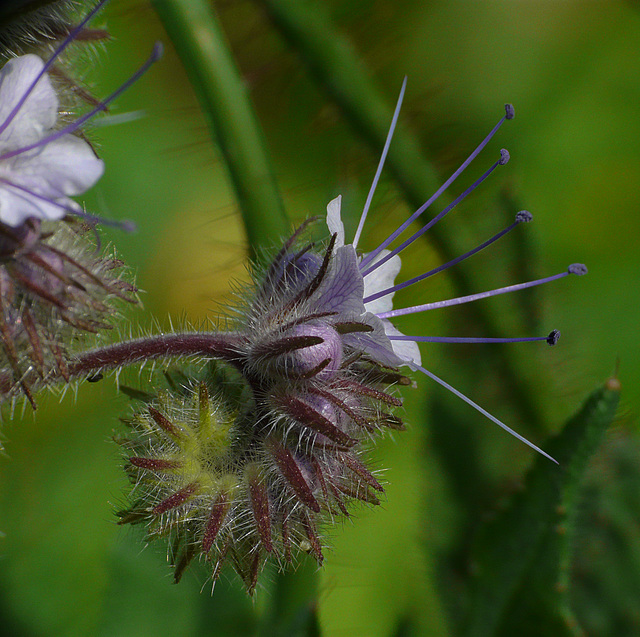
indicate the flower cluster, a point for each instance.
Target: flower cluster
{"x":249,"y":456}
{"x":54,"y":284}
{"x":252,"y":467}
{"x":255,"y":470}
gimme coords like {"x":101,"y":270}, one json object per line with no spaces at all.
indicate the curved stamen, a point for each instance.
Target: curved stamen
{"x":504,"y":158}
{"x":372,"y":255}
{"x":127,"y":226}
{"x":576,"y":268}
{"x":484,"y":412}
{"x":522,"y":217}
{"x":156,"y":54}
{"x":376,"y":178}
{"x":551,"y":339}
{"x":65,"y":43}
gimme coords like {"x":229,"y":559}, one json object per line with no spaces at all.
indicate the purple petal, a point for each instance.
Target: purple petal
{"x":342,"y":288}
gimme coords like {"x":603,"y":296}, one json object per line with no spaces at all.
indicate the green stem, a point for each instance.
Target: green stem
{"x":197,"y":36}
{"x":307,"y":25}
{"x":293,"y":603}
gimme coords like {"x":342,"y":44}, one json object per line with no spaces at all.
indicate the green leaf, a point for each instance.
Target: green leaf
{"x":522,"y":556}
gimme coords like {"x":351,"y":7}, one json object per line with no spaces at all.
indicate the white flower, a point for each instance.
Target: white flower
{"x":39,"y":169}
{"x":380,"y":279}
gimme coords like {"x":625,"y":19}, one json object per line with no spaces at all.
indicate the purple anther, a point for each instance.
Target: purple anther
{"x":577,"y":268}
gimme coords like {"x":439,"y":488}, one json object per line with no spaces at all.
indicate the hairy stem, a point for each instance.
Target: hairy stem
{"x":211,"y":345}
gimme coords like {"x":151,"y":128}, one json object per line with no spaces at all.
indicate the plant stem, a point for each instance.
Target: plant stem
{"x":195,"y":32}
{"x":211,"y":345}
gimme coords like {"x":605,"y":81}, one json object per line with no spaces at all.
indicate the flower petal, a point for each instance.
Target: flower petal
{"x":375,"y":343}
{"x":16,"y":206}
{"x":408,"y":351}
{"x":334,"y":220}
{"x":342,"y":287}
{"x":39,"y":111}
{"x":381,"y":279}
{"x":65,"y":167}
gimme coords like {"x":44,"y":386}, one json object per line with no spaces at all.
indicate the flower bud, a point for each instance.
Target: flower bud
{"x":224,"y":472}
{"x":54,"y":287}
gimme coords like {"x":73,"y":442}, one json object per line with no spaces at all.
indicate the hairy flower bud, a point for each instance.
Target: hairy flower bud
{"x":228,"y":473}
{"x":54,"y":286}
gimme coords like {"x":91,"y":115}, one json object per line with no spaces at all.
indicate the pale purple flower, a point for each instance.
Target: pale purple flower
{"x":39,"y":170}
{"x":374,"y":274}
{"x":43,"y":164}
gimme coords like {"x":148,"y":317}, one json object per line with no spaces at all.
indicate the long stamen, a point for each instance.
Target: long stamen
{"x":376,"y":178}
{"x":65,"y":43}
{"x":484,"y":412}
{"x":522,"y":217}
{"x":127,"y":226}
{"x":551,"y":339}
{"x":509,"y":114}
{"x":504,"y":158}
{"x":156,"y":54}
{"x":576,"y":268}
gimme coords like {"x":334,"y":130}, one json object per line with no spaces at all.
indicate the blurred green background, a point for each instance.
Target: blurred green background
{"x":572,"y":70}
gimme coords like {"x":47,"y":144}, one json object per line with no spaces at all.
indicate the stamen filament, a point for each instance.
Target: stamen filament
{"x":435,"y":220}
{"x":154,"y":57}
{"x":551,"y":339}
{"x":383,"y":157}
{"x":522,"y":216}
{"x":484,"y":412}
{"x":65,"y":43}
{"x":372,"y":255}
{"x":576,"y":268}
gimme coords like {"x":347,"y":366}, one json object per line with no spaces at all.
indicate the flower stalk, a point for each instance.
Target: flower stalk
{"x":195,"y":31}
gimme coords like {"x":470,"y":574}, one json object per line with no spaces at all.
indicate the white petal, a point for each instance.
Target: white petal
{"x":17,"y":206}
{"x":381,"y":279}
{"x":39,"y":112}
{"x":408,"y":351}
{"x":334,"y":220}
{"x":65,"y":167}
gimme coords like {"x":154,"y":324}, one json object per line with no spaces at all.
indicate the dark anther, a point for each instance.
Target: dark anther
{"x":349,"y":327}
{"x":553,"y":338}
{"x":504,"y":156}
{"x":524,"y":216}
{"x":509,"y":111}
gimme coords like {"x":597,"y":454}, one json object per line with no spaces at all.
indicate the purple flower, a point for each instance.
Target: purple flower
{"x":358,"y":288}
{"x":43,"y":164}
{"x":39,"y":169}
{"x":54,"y":285}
